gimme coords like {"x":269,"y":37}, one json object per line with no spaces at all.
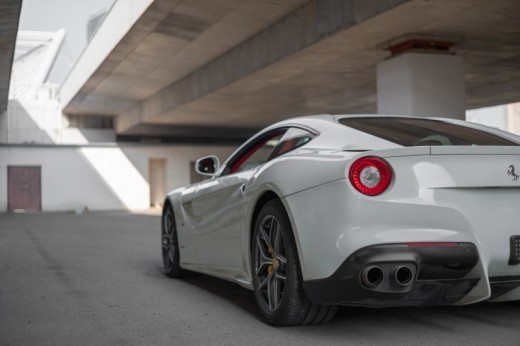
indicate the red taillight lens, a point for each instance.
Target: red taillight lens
{"x":370,"y":175}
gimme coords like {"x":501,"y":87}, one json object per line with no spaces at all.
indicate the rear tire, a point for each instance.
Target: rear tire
{"x":277,"y":277}
{"x":170,"y":245}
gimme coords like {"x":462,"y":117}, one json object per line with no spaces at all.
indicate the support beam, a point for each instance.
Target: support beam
{"x":98,"y":61}
{"x":187,"y":134}
{"x":246,"y":63}
{"x":314,"y":22}
{"x":9,"y":18}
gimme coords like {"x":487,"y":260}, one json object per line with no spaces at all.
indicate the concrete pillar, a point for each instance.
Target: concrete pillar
{"x":422,"y":84}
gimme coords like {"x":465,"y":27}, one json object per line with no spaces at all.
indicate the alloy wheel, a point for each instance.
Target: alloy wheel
{"x":169,"y":241}
{"x":270,"y":263}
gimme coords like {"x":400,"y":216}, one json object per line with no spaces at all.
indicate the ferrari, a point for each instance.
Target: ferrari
{"x":360,"y":210}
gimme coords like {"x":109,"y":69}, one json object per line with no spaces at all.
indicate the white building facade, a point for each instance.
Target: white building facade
{"x":49,"y":162}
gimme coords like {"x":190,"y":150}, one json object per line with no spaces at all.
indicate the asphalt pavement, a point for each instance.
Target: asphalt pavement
{"x":96,"y":279}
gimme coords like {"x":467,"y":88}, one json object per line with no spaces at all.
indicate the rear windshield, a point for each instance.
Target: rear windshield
{"x":416,"y":132}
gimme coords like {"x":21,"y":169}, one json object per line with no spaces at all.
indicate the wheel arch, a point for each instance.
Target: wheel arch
{"x":264,"y":198}
{"x":167,"y":203}
{"x":307,"y":312}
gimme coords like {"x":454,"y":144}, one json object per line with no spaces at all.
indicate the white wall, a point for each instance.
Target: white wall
{"x":100,"y":177}
{"x":40,"y":121}
{"x":503,"y":117}
{"x":513,"y":111}
{"x":34,"y":121}
{"x":490,"y":116}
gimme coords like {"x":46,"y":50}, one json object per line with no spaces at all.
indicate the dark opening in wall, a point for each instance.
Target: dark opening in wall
{"x":91,"y":122}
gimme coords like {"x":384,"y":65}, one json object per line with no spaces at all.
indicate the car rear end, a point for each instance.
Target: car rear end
{"x":418,"y":225}
{"x":477,"y":186}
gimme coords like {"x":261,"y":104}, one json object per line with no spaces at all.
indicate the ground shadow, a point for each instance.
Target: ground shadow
{"x":361,"y":320}
{"x":231,"y":292}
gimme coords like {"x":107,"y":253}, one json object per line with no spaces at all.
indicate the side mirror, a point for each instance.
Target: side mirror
{"x":207,"y":165}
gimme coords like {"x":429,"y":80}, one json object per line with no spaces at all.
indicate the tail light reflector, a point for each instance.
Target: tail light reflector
{"x":370,"y":175}
{"x":432,"y":244}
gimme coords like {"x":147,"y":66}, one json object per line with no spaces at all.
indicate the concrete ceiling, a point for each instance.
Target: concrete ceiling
{"x":9,"y":18}
{"x":247,"y":63}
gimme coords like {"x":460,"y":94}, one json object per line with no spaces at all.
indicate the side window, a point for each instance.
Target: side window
{"x":259,"y":153}
{"x":292,"y":139}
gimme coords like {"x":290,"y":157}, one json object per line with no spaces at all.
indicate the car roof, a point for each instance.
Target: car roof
{"x":336,"y":136}
{"x":329,"y":118}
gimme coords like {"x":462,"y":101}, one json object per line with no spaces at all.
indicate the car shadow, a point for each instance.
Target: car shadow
{"x":440,"y":318}
{"x":227,"y":290}
{"x":230,"y":291}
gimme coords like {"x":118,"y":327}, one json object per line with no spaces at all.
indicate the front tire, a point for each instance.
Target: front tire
{"x":277,"y":277}
{"x":170,"y":245}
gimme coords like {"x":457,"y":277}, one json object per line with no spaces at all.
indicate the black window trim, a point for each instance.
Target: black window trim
{"x":259,"y":138}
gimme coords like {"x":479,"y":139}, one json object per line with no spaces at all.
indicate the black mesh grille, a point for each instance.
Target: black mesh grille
{"x":514,"y":243}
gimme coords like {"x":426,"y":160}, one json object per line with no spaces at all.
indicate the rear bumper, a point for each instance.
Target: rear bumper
{"x":331,"y":222}
{"x":439,"y":276}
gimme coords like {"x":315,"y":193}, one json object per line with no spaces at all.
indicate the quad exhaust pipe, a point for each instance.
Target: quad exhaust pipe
{"x":402,"y":276}
{"x":385,"y":277}
{"x":372,"y":276}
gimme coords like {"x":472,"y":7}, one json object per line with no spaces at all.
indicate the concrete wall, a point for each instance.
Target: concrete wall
{"x":34,"y":121}
{"x":3,"y":126}
{"x":86,"y":136}
{"x":34,"y":118}
{"x":490,"y":116}
{"x":513,"y":110}
{"x":100,"y":177}
{"x":40,"y":121}
{"x":503,"y":117}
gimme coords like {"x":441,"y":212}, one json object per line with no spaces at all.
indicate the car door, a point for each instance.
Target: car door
{"x":215,"y":207}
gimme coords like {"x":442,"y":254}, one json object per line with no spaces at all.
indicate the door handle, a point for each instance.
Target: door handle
{"x":243,"y":188}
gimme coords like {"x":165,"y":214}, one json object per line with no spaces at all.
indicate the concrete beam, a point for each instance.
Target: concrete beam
{"x":314,"y":22}
{"x":247,"y":63}
{"x":150,"y":133}
{"x":97,"y":62}
{"x":9,"y":19}
{"x":168,"y":41}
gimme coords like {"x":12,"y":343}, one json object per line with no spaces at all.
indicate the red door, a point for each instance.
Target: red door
{"x":24,"y":188}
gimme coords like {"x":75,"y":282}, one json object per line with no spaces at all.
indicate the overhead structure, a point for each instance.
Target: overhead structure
{"x":35,"y":55}
{"x":225,"y":68}
{"x":9,"y":18}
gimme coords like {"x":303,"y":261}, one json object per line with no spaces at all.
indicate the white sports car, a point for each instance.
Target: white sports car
{"x":316,"y":212}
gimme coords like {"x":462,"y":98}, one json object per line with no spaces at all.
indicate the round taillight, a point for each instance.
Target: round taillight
{"x":370,"y":175}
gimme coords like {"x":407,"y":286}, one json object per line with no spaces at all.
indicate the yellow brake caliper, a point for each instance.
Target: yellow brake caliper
{"x":272,"y":265}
